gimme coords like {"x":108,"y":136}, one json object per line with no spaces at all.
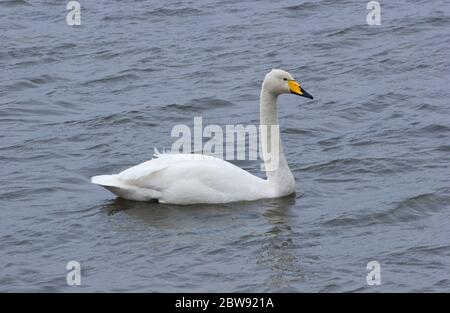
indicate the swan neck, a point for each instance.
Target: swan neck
{"x":276,"y":166}
{"x":268,"y":108}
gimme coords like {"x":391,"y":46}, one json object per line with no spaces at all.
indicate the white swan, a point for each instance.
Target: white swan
{"x":196,"y":178}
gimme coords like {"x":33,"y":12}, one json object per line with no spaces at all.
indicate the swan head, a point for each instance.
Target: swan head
{"x":279,"y":82}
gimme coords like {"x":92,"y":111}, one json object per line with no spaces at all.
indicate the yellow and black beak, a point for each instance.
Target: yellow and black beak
{"x":296,"y":89}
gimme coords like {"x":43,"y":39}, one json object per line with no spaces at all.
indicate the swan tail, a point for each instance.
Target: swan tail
{"x":122,"y":190}
{"x":106,"y":180}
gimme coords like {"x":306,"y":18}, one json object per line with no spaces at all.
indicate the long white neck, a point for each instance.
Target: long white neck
{"x":277,"y":169}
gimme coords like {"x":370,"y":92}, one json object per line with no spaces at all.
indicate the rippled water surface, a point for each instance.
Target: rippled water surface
{"x":370,"y":153}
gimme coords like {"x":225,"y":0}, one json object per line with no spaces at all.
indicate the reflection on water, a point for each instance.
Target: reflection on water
{"x":276,"y":252}
{"x":279,"y":253}
{"x":154,"y":213}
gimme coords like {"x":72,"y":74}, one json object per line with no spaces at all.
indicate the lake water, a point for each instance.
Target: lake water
{"x":370,"y":153}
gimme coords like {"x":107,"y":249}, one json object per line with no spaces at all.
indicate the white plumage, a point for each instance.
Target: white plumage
{"x":196,"y":178}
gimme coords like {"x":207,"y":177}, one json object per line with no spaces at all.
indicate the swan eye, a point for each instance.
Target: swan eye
{"x":284,"y":78}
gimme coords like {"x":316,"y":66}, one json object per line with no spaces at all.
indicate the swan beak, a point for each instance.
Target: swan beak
{"x":296,"y":89}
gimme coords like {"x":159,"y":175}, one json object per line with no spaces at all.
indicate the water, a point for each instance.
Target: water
{"x":370,"y":154}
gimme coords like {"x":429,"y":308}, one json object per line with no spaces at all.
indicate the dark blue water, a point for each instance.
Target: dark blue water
{"x":370,"y":154}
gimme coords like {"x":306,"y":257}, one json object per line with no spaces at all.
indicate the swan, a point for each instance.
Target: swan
{"x":197,"y":178}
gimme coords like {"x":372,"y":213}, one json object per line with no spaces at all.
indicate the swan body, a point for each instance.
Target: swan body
{"x":185,"y":179}
{"x":197,"y":178}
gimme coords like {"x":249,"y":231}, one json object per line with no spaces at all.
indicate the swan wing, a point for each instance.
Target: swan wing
{"x":142,"y":172}
{"x":193,"y":178}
